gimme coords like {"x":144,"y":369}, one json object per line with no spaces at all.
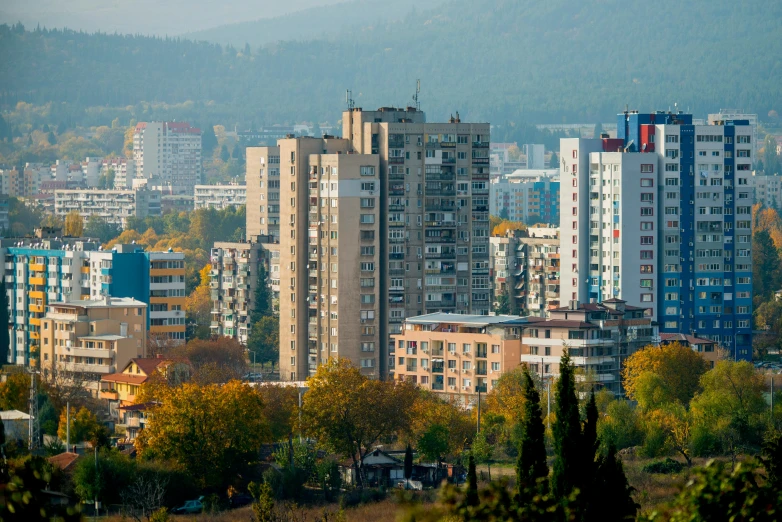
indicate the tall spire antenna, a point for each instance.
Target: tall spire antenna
{"x":349,"y":99}
{"x":417,"y":92}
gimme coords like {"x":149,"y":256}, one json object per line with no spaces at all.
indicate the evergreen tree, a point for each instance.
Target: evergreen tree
{"x":408,"y":462}
{"x":611,"y":495}
{"x":503,"y":304}
{"x":472,"y":483}
{"x":5,"y":340}
{"x":208,"y":141}
{"x":765,"y":265}
{"x":585,"y":481}
{"x":237,"y":152}
{"x":531,"y":464}
{"x":224,"y":154}
{"x":263,"y":296}
{"x":567,"y":433}
{"x":554,"y":161}
{"x":772,"y":459}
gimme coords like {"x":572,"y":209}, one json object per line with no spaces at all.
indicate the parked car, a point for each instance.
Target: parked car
{"x":190,"y":507}
{"x":240,"y":500}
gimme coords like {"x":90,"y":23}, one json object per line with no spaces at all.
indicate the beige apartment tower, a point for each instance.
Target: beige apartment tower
{"x":389,"y":222}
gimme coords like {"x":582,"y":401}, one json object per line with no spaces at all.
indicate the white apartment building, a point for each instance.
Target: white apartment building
{"x":528,"y":196}
{"x":91,"y":171}
{"x":767,"y":190}
{"x":738,"y":114}
{"x":608,"y":251}
{"x":169,"y":153}
{"x":220,"y":196}
{"x":115,"y":206}
{"x":124,"y":171}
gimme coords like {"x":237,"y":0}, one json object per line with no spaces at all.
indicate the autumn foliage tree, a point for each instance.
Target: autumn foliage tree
{"x":674,"y":368}
{"x":348,"y":413}
{"x":74,"y":224}
{"x":212,"y":431}
{"x":198,"y":306}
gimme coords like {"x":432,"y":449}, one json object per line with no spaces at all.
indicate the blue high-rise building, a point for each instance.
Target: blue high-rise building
{"x":704,"y":206}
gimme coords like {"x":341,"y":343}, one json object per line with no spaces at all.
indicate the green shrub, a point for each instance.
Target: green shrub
{"x":666,"y":467}
{"x":654,"y":443}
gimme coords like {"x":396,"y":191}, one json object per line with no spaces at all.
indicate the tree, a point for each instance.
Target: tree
{"x":472,"y":482}
{"x":264,"y":339}
{"x":677,"y":368}
{"x":531,"y":464}
{"x":503,"y":303}
{"x":104,"y":478}
{"x":281,"y":404}
{"x":770,"y":157}
{"x":198,"y":307}
{"x":213,"y":361}
{"x":482,"y":450}
{"x":408,"y":462}
{"x":505,"y":226}
{"x":5,"y":338}
{"x":106,"y":180}
{"x":620,"y":426}
{"x":554,"y":161}
{"x":718,"y":491}
{"x":348,"y":413}
{"x":732,"y":404}
{"x":74,"y":224}
{"x":507,"y":398}
{"x":99,"y":228}
{"x":224,"y":154}
{"x":567,"y":432}
{"x":263,"y":296}
{"x":213,"y":431}
{"x":84,"y":425}
{"x":145,"y":495}
{"x":611,"y":494}
{"x":772,"y":459}
{"x":433,"y":444}
{"x":674,"y":422}
{"x":765,"y":265}
{"x":15,"y":392}
{"x":208,"y":141}
{"x":589,"y":441}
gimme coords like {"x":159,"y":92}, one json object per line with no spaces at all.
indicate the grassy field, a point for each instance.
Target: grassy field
{"x":651,"y":490}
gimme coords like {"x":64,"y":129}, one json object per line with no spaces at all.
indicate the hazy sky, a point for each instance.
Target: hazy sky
{"x":146,"y":16}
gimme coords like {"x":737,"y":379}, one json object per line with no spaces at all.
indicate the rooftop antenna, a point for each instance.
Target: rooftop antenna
{"x":415,"y":97}
{"x":349,"y":99}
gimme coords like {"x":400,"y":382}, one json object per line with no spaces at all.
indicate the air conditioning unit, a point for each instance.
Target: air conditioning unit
{"x":451,"y":387}
{"x":464,"y":388}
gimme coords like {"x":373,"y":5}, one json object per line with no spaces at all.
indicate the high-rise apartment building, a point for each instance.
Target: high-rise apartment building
{"x":528,"y":196}
{"x":661,"y":216}
{"x":169,"y":153}
{"x":394,"y":222}
{"x":114,"y":206}
{"x":43,"y":270}
{"x":526,"y":273}
{"x":220,"y":196}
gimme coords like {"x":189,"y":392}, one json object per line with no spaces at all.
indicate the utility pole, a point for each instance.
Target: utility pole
{"x":68,"y":426}
{"x":478,"y":426}
{"x":33,"y":426}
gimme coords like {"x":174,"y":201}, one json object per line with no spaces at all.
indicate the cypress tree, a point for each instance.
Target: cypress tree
{"x":531,"y":464}
{"x":408,"y":462}
{"x":611,"y":494}
{"x":472,"y":483}
{"x":586,"y":479}
{"x":567,"y":433}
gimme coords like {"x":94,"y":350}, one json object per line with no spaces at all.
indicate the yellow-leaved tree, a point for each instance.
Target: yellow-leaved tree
{"x":439,"y":428}
{"x":74,"y":224}
{"x":676,"y":371}
{"x":213,"y":432}
{"x":198,"y":306}
{"x":348,"y":412}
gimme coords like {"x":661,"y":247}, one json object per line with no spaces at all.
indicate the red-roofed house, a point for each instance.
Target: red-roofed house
{"x":708,"y":349}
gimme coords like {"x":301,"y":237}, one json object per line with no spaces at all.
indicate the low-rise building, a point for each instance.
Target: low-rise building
{"x":457,"y":355}
{"x":598,"y":337}
{"x":220,"y":196}
{"x":114,"y":206}
{"x":92,"y":337}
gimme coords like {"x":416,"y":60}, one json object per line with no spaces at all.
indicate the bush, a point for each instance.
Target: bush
{"x":654,"y":443}
{"x":704,"y":442}
{"x":161,"y":515}
{"x":666,"y":467}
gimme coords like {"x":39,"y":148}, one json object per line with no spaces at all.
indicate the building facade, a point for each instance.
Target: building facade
{"x":530,"y":197}
{"x":662,"y":216}
{"x":430,"y":254}
{"x":114,"y":206}
{"x":220,"y":196}
{"x":598,"y":337}
{"x":455,"y":355}
{"x":91,"y":337}
{"x":47,"y":270}
{"x":169,"y":153}
{"x":526,"y":274}
{"x":767,"y":190}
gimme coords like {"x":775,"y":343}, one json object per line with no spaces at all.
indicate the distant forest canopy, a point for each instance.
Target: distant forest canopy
{"x":509,"y":62}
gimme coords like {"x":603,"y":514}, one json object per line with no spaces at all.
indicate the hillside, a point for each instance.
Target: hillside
{"x":322,"y":22}
{"x":493,"y":60}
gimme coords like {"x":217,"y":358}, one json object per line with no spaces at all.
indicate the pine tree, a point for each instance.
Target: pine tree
{"x":611,"y":495}
{"x":472,"y":483}
{"x":5,"y":339}
{"x":531,"y":464}
{"x":263,"y":297}
{"x":586,"y":479}
{"x":567,"y":433}
{"x":408,"y":462}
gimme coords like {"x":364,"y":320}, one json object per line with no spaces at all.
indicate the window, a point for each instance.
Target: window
{"x":647,"y":240}
{"x":647,"y":269}
{"x":367,"y":219}
{"x":367,"y":203}
{"x":647,"y":196}
{"x":647,"y":225}
{"x":647,"y":211}
{"x":646,"y":168}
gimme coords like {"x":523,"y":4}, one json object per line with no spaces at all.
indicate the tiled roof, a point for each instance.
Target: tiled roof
{"x":64,"y":460}
{"x":671,"y":337}
{"x":127,"y":378}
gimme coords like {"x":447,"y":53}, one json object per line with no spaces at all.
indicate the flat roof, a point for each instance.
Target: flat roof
{"x":471,"y":320}
{"x":103,"y":337}
{"x":101,"y":303}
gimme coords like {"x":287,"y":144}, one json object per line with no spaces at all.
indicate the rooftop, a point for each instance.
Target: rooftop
{"x":103,"y":303}
{"x":468,"y":320}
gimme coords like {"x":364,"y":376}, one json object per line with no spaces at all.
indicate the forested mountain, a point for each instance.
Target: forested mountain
{"x":322,"y":22}
{"x":492,"y":60}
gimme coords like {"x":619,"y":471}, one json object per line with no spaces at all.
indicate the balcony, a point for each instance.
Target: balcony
{"x":111,"y":395}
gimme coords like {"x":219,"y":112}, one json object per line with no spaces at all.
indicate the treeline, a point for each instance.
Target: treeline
{"x":473,"y":52}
